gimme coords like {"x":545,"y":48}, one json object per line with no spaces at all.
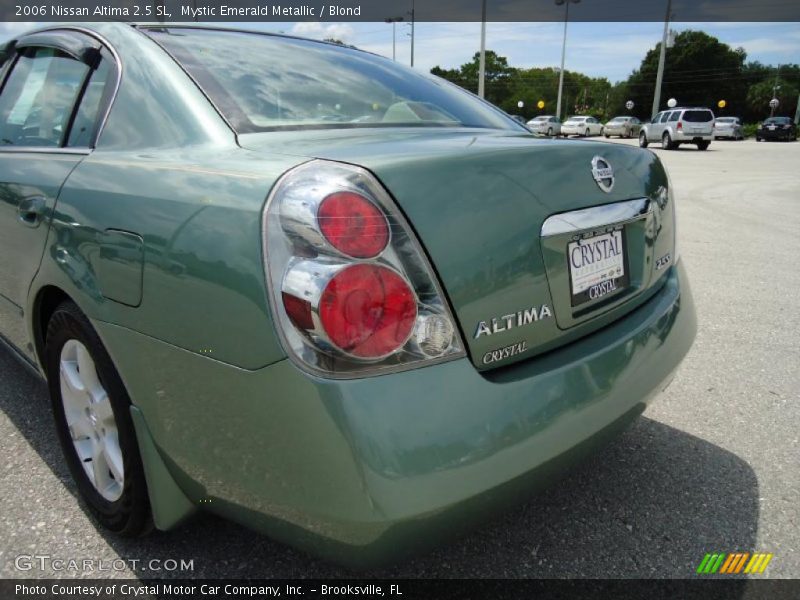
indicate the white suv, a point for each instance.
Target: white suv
{"x":678,"y":126}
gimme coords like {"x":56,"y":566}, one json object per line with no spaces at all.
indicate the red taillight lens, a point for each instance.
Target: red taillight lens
{"x":680,"y":125}
{"x":351,"y":291}
{"x":298,"y":311}
{"x":368,"y":311}
{"x":353,"y":225}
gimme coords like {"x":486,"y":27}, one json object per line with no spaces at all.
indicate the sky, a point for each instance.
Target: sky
{"x":610,"y":50}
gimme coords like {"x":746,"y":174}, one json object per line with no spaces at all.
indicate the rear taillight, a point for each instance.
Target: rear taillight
{"x":350,"y":288}
{"x":680,"y":125}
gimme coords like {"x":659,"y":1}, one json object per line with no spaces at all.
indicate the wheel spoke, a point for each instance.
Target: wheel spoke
{"x":79,"y":428}
{"x":102,"y":409}
{"x":87,"y":371}
{"x":100,"y":467}
{"x":71,"y":377}
{"x":113,"y":458}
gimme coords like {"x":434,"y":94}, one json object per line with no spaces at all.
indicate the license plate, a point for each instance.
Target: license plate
{"x":771,"y":127}
{"x":597,"y":266}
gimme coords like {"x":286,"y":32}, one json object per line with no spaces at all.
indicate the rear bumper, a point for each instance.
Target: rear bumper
{"x":691,"y":138}
{"x":364,"y":471}
{"x":778,"y":134}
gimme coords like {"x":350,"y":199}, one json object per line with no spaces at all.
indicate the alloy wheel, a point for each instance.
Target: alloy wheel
{"x":91,"y":422}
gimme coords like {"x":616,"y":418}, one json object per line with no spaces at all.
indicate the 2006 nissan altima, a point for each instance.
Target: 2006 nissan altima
{"x":297,"y":285}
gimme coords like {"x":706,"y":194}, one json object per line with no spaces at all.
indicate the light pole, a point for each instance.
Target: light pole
{"x":482,"y":62}
{"x":563,"y":52}
{"x":394,"y":21}
{"x":661,"y":59}
{"x":413,"y":22}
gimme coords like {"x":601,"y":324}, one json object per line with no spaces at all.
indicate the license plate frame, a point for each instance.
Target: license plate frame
{"x":605,"y":279}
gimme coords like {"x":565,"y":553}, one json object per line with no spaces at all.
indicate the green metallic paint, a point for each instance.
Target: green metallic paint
{"x":478,"y":199}
{"x":169,"y":504}
{"x":357,"y":469}
{"x":25,"y":176}
{"x":352,"y":468}
{"x":120,"y":266}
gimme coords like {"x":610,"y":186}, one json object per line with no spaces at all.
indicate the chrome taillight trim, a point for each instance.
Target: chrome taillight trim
{"x":274,"y":280}
{"x":307,"y":279}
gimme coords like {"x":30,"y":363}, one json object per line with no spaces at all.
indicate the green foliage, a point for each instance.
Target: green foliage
{"x":496,"y":78}
{"x":749,"y":129}
{"x":699,"y":70}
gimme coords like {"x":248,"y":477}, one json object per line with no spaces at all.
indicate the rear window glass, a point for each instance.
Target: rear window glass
{"x":698,"y":116}
{"x":267,"y":82}
{"x":780,"y":120}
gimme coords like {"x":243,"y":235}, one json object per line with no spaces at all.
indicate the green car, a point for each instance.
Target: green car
{"x":297,"y":285}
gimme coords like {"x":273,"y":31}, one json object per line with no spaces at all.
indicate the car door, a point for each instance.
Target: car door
{"x":597,"y":127}
{"x":51,"y":93}
{"x":657,"y":127}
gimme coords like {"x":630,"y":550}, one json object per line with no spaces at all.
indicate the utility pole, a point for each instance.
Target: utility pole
{"x":482,"y":62}
{"x":661,"y":58}
{"x":413,"y":22}
{"x":394,"y":21}
{"x":563,"y":53}
{"x":775,"y":88}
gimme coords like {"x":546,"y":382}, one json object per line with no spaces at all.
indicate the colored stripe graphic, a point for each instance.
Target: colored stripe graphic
{"x":728,"y":562}
{"x":741,"y":562}
{"x":734,"y":562}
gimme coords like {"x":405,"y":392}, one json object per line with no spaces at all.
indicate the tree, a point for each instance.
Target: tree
{"x":497,"y":74}
{"x":698,"y":70}
{"x":759,"y":95}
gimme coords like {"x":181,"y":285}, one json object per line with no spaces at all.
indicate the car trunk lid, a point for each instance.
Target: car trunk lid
{"x":497,"y":213}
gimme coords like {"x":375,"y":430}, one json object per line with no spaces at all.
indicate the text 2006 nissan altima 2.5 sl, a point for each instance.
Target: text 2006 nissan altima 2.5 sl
{"x":295,"y":284}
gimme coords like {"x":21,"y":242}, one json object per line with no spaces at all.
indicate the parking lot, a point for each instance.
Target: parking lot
{"x":712,"y":466}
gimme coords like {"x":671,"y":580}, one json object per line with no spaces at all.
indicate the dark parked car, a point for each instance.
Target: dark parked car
{"x":777,"y":128}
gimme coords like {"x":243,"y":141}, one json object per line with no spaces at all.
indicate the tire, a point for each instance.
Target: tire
{"x":666,"y":142}
{"x":642,"y":139}
{"x":99,"y":443}
{"x":703,"y":145}
{"x":607,"y":136}
{"x":758,"y":139}
{"x":550,"y":132}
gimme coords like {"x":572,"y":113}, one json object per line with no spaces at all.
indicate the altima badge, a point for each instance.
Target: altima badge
{"x":603,"y":173}
{"x":510,"y":321}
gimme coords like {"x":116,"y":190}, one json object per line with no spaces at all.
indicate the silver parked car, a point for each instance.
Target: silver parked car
{"x":546,"y":125}
{"x":728,"y":127}
{"x":624,"y":126}
{"x":582,"y":125}
{"x":678,"y":126}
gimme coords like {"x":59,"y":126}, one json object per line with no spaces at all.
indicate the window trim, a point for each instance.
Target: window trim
{"x":106,"y":52}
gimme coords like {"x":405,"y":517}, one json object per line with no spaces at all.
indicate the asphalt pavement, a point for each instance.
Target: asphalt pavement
{"x":712,"y":466}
